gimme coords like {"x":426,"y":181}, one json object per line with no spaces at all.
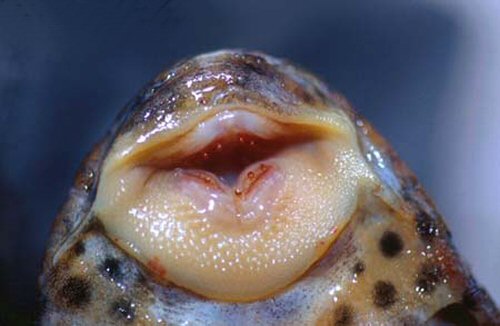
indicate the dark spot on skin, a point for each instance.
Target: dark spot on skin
{"x":390,"y":244}
{"x":473,"y":296}
{"x":79,"y":248}
{"x":409,"y":186}
{"x":254,"y":64}
{"x":343,"y":315}
{"x":249,"y":68}
{"x":141,"y":279}
{"x":454,"y":314}
{"x":384,"y":294}
{"x":358,"y":268}
{"x":304,"y":96}
{"x":75,"y":292}
{"x":428,"y":223}
{"x":111,"y":267}
{"x":124,"y":309}
{"x":426,"y":226}
{"x":469,"y":300}
{"x":95,"y":226}
{"x":428,"y":278}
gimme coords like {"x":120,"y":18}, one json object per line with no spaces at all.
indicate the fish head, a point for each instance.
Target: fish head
{"x":237,"y":189}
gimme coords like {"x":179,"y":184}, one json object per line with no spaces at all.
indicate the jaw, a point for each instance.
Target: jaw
{"x":238,"y":207}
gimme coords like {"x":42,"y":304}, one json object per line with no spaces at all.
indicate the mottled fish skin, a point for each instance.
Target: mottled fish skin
{"x":393,"y":264}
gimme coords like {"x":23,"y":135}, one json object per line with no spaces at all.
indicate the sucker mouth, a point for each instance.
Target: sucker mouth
{"x":236,"y":206}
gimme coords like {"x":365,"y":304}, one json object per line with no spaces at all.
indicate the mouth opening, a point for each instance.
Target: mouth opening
{"x":234,"y":162}
{"x":232,"y":152}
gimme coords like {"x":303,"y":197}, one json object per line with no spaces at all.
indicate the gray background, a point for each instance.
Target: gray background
{"x":426,"y":73}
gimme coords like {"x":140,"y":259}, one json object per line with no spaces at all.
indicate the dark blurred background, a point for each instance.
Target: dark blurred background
{"x":424,"y":72}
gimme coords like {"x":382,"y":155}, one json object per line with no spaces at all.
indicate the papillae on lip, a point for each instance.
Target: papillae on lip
{"x":240,"y":198}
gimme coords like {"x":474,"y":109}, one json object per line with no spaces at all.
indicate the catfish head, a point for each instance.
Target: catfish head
{"x":236,"y":189}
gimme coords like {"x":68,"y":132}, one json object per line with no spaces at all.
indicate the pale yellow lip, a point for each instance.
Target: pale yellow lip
{"x":236,"y":241}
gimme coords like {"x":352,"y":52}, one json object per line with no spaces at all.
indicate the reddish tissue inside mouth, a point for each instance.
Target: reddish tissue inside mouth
{"x":234,"y":161}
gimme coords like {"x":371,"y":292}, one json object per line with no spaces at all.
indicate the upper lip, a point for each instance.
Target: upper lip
{"x":203,"y":127}
{"x":230,"y":150}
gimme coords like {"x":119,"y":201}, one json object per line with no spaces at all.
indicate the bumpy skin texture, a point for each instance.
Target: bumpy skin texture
{"x":393,"y":264}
